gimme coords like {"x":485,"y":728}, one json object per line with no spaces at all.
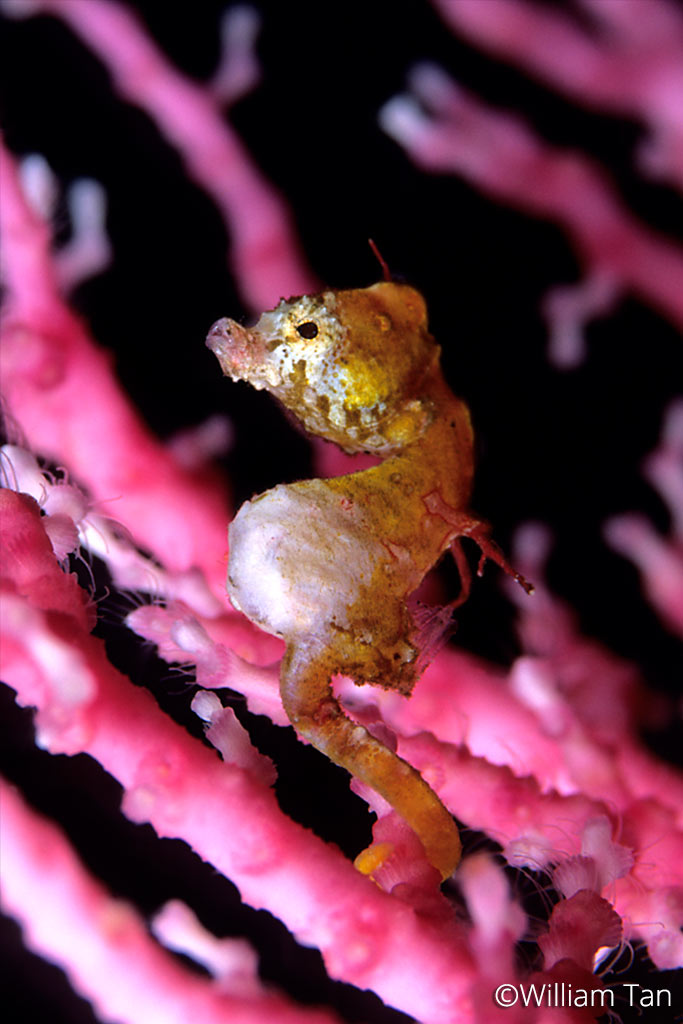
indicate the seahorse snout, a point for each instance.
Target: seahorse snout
{"x":237,"y":349}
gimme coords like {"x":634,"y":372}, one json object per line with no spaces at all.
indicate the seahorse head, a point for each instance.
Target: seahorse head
{"x":350,"y":365}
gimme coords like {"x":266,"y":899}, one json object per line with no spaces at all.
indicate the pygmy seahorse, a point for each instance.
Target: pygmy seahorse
{"x":329,"y":565}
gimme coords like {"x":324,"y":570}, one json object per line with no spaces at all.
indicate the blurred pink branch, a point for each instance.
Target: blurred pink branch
{"x":628,"y":64}
{"x":264,"y":249}
{"x":660,"y":559}
{"x":630,"y":61}
{"x":501,"y":155}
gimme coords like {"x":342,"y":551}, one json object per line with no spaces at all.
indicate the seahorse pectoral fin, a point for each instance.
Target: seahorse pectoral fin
{"x":464,"y":524}
{"x":317,"y":717}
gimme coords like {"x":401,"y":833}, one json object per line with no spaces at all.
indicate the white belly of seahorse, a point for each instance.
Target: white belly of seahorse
{"x":299,"y":557}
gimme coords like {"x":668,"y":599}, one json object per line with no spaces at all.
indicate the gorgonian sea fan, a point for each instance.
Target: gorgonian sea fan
{"x":529,"y":733}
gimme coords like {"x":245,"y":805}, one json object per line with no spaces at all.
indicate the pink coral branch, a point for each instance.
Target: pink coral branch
{"x":659,"y":558}
{"x":499,"y":154}
{"x":538,"y":827}
{"x":659,"y":561}
{"x":549,"y":769}
{"x":264,"y":250}
{"x":229,"y":817}
{"x":535,"y":828}
{"x":104,"y":945}
{"x":559,"y":736}
{"x":60,"y":390}
{"x":630,"y":63}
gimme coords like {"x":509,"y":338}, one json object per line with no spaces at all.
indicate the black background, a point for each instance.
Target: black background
{"x":564,"y":448}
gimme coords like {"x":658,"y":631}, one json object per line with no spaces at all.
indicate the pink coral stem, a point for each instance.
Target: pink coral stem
{"x":627,"y":64}
{"x":502,"y":156}
{"x":265,"y":252}
{"x":60,"y":389}
{"x":104,"y":945}
{"x":230,"y":819}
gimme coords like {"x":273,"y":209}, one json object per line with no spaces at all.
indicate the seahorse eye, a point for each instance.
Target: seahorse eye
{"x":308,"y":330}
